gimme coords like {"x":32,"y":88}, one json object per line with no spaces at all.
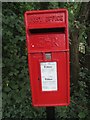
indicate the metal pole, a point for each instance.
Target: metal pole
{"x":50,"y":112}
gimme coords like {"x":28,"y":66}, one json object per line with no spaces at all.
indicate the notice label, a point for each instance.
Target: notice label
{"x":49,"y":76}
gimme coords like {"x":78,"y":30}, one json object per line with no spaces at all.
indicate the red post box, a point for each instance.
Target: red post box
{"x":48,"y":56}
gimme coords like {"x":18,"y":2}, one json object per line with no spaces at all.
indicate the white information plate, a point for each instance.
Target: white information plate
{"x":49,"y":76}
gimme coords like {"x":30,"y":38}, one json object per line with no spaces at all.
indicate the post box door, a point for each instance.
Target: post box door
{"x":59,"y":61}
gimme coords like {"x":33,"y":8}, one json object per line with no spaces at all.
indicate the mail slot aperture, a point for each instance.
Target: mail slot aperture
{"x":47,"y":30}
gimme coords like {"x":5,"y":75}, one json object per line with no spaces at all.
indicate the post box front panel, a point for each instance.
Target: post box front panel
{"x":47,"y":42}
{"x":57,"y":92}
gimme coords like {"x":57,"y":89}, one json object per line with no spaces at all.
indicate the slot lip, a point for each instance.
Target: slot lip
{"x":47,"y":26}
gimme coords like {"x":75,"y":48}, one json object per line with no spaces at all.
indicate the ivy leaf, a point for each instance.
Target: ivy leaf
{"x":15,"y":86}
{"x":81,"y":115}
{"x":7,"y":89}
{"x":4,"y":95}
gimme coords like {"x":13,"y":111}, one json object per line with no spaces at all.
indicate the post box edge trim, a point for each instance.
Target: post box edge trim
{"x":46,"y":11}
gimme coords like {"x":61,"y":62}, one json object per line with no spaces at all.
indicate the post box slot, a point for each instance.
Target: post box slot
{"x":47,"y":30}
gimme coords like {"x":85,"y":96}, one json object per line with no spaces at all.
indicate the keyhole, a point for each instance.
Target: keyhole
{"x":38,"y":78}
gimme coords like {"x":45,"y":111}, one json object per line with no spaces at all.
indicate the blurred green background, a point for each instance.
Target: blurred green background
{"x":16,"y":91}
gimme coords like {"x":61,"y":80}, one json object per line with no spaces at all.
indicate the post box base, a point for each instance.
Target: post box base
{"x":47,"y":105}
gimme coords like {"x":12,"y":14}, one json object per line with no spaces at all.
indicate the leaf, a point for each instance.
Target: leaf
{"x":4,"y":95}
{"x":15,"y":86}
{"x":7,"y":89}
{"x":81,"y":115}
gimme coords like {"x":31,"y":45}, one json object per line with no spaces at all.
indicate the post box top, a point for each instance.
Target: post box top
{"x":45,"y":11}
{"x":46,"y":18}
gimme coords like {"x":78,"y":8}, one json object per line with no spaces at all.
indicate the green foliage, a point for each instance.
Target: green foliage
{"x":16,"y":90}
{"x":78,"y":107}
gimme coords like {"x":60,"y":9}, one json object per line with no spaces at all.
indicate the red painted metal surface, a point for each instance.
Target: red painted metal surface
{"x":47,"y":32}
